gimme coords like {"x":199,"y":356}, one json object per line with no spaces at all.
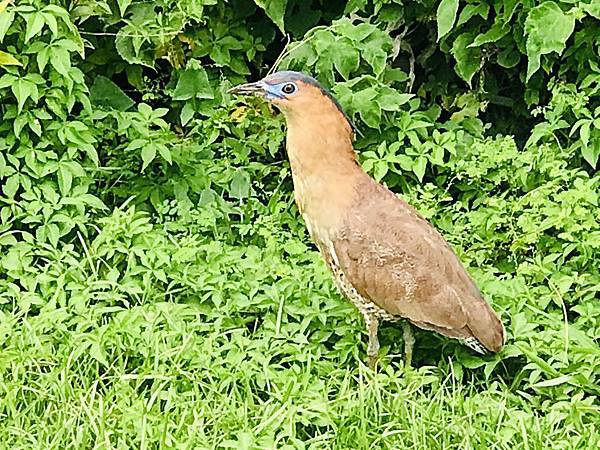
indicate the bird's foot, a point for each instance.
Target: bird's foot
{"x":372,"y":361}
{"x":373,"y":347}
{"x":409,"y":342}
{"x":408,"y":360}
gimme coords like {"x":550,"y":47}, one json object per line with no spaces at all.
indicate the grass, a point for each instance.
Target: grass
{"x":188,"y":394}
{"x":215,"y":358}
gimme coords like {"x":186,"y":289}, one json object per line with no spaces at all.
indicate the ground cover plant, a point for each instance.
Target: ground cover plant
{"x":157,"y":285}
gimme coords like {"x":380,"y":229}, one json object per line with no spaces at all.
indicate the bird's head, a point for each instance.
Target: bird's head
{"x":297,"y":95}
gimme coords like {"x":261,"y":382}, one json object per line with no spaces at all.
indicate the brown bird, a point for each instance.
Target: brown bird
{"x":385,"y":258}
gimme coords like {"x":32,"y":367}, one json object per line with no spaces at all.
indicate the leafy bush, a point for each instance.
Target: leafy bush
{"x":157,"y":287}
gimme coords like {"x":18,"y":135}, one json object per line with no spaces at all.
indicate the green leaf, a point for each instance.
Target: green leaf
{"x":369,"y":110}
{"x":275,"y":9}
{"x":35,"y":126}
{"x":547,"y":28}
{"x":164,"y":152}
{"x":7,"y":59}
{"x":552,"y":382}
{"x":123,"y":5}
{"x":51,"y":22}
{"x":136,"y":143}
{"x":7,"y":80}
{"x":42,"y":57}
{"x":584,"y":133}
{"x":509,"y":57}
{"x":380,"y":169}
{"x":419,"y":167}
{"x":346,"y":58}
{"x":24,"y":89}
{"x":495,"y":33}
{"x":480,"y":9}
{"x":105,"y":92}
{"x":98,"y":353}
{"x":148,"y":155}
{"x":187,"y":112}
{"x":375,"y":51}
{"x":591,"y":152}
{"x":446,"y":15}
{"x":11,"y":185}
{"x":65,"y":179}
{"x":6,"y":20}
{"x":240,"y":185}
{"x":468,"y":60}
{"x":60,"y":60}
{"x":35,"y":22}
{"x":355,"y":5}
{"x":92,"y":201}
{"x":390,"y":99}
{"x":129,"y":47}
{"x":540,"y":131}
{"x":193,"y":83}
{"x":592,"y":8}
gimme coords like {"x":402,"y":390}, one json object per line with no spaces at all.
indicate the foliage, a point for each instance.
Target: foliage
{"x":157,"y":287}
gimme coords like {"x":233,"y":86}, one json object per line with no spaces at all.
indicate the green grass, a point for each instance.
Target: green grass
{"x":216,"y":358}
{"x":178,"y":383}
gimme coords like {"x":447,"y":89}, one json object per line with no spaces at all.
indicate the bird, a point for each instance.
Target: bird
{"x":389,"y":261}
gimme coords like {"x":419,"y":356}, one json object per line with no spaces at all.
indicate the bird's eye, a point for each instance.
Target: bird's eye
{"x":289,"y":88}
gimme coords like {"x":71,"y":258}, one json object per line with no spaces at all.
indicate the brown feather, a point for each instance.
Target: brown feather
{"x":396,"y":259}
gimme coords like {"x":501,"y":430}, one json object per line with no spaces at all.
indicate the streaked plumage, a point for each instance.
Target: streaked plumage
{"x":385,"y":258}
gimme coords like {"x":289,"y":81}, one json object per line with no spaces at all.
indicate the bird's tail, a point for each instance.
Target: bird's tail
{"x":485,"y":326}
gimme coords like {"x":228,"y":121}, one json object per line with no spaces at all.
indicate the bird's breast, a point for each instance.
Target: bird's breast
{"x":324,"y":239}
{"x":321,"y":235}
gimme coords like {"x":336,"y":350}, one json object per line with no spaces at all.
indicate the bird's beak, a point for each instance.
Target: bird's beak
{"x":257,"y":89}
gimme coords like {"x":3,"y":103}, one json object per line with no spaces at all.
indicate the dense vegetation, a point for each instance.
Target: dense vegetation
{"x":157,"y":285}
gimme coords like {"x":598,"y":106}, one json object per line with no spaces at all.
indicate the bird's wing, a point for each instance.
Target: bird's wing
{"x":396,"y":259}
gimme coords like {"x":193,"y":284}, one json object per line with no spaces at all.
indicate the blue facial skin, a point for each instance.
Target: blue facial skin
{"x":279,"y":90}
{"x":282,"y":85}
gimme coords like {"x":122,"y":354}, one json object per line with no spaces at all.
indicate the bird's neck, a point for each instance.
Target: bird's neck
{"x":319,"y":148}
{"x":324,"y":166}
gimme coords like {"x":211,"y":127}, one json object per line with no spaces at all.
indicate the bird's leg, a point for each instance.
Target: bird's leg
{"x":409,"y":342}
{"x":373,"y":348}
